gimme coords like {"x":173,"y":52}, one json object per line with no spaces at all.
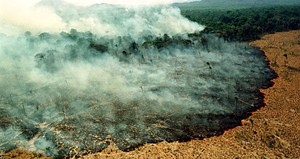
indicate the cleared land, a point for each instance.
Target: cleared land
{"x":271,"y":132}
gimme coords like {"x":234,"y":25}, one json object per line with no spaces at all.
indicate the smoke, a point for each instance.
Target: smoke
{"x":131,"y":3}
{"x":128,"y":3}
{"x":103,"y":73}
{"x":103,"y":19}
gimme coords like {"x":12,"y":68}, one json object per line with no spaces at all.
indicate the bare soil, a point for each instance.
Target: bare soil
{"x":271,"y":132}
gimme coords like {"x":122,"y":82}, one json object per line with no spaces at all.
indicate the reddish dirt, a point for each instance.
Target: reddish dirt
{"x":271,"y":132}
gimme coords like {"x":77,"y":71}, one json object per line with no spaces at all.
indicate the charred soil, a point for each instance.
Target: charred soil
{"x":271,"y":132}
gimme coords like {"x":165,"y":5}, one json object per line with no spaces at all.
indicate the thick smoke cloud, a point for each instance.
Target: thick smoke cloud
{"x":106,"y":19}
{"x":128,"y":3}
{"x":126,"y":75}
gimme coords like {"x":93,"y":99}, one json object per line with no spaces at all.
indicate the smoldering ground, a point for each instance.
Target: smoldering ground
{"x":144,"y":80}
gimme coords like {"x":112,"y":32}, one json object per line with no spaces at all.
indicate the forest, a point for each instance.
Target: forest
{"x":245,"y":24}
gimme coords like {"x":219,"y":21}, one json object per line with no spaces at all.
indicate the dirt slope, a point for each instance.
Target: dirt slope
{"x":271,"y":132}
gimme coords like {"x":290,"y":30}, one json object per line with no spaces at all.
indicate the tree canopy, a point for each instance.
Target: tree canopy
{"x":246,"y":24}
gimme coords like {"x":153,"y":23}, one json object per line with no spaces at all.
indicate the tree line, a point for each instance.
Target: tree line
{"x":246,"y":24}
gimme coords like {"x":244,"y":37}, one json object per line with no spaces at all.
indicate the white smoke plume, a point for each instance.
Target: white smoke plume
{"x":73,"y":77}
{"x":102,"y":19}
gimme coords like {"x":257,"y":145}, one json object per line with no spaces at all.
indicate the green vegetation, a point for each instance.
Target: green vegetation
{"x":235,"y":4}
{"x":245,"y":24}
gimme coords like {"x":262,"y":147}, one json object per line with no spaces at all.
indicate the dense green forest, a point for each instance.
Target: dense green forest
{"x":245,"y":24}
{"x":234,"y":4}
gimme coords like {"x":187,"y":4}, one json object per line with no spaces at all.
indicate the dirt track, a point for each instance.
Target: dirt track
{"x":271,"y":132}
